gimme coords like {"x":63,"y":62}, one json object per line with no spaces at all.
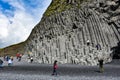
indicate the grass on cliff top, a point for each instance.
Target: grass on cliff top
{"x":58,"y":6}
{"x":13,"y":49}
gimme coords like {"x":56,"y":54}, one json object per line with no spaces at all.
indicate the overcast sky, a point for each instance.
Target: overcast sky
{"x":18,"y":18}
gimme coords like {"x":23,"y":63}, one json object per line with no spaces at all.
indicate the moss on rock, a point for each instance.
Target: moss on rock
{"x":58,"y":6}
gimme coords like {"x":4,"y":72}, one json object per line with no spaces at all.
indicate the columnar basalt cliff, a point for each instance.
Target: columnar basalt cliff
{"x":67,"y":25}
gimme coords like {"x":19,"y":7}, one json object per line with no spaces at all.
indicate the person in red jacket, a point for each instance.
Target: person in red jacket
{"x":55,"y":67}
{"x":17,"y":55}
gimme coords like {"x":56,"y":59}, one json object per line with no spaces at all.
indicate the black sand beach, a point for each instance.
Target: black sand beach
{"x":34,"y":71}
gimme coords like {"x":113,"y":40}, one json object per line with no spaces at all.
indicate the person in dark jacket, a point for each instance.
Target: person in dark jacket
{"x":98,"y":46}
{"x":1,"y":63}
{"x":88,"y":42}
{"x":55,"y":67}
{"x":101,"y":65}
{"x":31,"y":59}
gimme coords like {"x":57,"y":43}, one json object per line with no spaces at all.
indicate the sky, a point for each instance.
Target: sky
{"x":18,"y":18}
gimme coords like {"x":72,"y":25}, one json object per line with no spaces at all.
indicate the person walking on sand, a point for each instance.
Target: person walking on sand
{"x":1,"y":63}
{"x":17,"y":55}
{"x":19,"y":58}
{"x":10,"y":62}
{"x":55,"y":67}
{"x":11,"y":58}
{"x":101,"y":65}
{"x":31,"y":59}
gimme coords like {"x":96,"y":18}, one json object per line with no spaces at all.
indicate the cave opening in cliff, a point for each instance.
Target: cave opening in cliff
{"x":116,"y":51}
{"x":74,"y":26}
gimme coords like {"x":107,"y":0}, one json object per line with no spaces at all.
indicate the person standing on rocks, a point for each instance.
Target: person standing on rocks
{"x":55,"y":67}
{"x":98,"y":46}
{"x":88,"y":42}
{"x":101,"y":65}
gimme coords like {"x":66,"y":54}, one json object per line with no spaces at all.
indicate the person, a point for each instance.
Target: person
{"x":4,"y":58}
{"x":98,"y":46}
{"x":31,"y":59}
{"x":88,"y":42}
{"x":17,"y":55}
{"x":19,"y":58}
{"x":11,"y":58}
{"x":101,"y":65}
{"x":1,"y":63}
{"x":10,"y":62}
{"x":55,"y":67}
{"x":7,"y":58}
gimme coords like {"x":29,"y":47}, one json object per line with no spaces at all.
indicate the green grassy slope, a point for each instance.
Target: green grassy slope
{"x":58,"y":6}
{"x":13,"y":49}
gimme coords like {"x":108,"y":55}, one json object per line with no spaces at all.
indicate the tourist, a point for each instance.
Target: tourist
{"x":17,"y":55}
{"x":19,"y":58}
{"x":55,"y":67}
{"x":4,"y":58}
{"x":101,"y":65}
{"x":7,"y":58}
{"x":88,"y":42}
{"x":10,"y":63}
{"x":31,"y":59}
{"x":98,"y":46}
{"x":11,"y":58}
{"x":1,"y":63}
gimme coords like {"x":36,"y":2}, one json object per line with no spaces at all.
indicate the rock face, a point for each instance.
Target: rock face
{"x":71,"y":36}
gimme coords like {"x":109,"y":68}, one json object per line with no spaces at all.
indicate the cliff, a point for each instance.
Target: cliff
{"x":67,"y":25}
